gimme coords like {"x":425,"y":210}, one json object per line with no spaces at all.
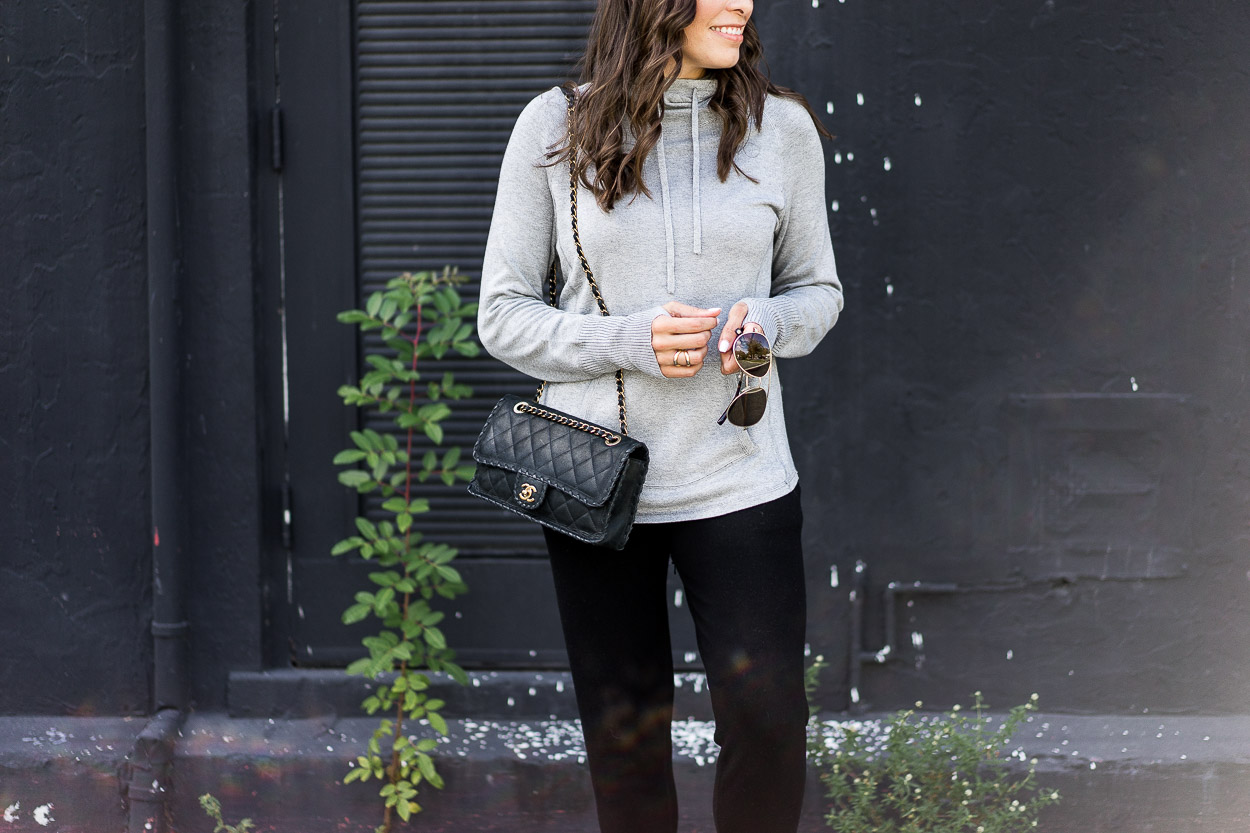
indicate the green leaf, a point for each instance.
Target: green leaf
{"x":456,"y":672}
{"x":437,"y":721}
{"x":355,"y":613}
{"x":430,"y":460}
{"x":360,"y":666}
{"x":451,"y":457}
{"x":395,"y":504}
{"x":468,"y":349}
{"x":351,"y":455}
{"x":346,"y":545}
{"x":374,"y":304}
{"x":426,"y":764}
{"x":387,"y":309}
{"x":434,"y":431}
{"x":404,"y":521}
{"x":367,"y":528}
{"x":434,"y":638}
{"x":448,"y":477}
{"x":354,"y":478}
{"x":450,"y":574}
{"x":352,"y":316}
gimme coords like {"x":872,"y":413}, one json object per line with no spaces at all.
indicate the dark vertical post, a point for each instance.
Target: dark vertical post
{"x":146,"y":788}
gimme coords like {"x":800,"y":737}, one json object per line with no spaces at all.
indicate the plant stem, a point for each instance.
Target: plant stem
{"x":393,"y":769}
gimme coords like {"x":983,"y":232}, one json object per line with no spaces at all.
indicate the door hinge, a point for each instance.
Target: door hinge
{"x":275,"y":137}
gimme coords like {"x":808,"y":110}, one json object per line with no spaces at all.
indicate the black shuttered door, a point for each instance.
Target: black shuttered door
{"x":439,"y":86}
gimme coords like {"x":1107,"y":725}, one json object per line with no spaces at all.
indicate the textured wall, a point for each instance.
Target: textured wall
{"x":1062,"y":213}
{"x":73,"y":360}
{"x":75,"y":600}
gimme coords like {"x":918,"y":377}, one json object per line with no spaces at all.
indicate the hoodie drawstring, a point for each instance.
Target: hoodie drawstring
{"x":695,"y":220}
{"x":668,"y":216}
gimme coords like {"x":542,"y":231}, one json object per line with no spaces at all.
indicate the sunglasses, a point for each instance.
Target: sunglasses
{"x":755,"y":360}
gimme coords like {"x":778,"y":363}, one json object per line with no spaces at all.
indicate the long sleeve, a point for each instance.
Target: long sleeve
{"x":806,"y":294}
{"x":515,"y":323}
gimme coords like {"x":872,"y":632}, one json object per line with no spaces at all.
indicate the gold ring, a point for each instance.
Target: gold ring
{"x":677,"y":353}
{"x":686,"y":355}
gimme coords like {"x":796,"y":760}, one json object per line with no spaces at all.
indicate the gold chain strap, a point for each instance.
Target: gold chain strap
{"x":609,"y":438}
{"x":590,"y":277}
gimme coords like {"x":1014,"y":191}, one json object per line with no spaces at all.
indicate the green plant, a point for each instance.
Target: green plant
{"x":419,"y":316}
{"x":212,"y":807}
{"x":939,"y":773}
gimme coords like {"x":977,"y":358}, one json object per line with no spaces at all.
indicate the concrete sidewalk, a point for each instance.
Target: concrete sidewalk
{"x":1118,"y":774}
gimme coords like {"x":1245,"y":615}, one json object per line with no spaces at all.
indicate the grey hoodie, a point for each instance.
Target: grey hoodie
{"x":696,"y":240}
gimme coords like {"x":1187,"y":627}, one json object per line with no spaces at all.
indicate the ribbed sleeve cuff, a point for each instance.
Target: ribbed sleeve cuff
{"x":767,"y":313}
{"x":619,"y":341}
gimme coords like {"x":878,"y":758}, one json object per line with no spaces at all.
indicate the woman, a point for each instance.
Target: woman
{"x":701,"y":190}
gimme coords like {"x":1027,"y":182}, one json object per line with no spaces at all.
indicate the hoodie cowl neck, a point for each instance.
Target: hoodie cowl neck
{"x":680,"y":93}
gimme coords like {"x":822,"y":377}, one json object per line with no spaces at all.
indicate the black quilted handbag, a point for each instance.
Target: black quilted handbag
{"x":573,"y":476}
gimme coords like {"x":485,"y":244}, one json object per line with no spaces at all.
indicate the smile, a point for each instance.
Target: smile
{"x":733,"y":33}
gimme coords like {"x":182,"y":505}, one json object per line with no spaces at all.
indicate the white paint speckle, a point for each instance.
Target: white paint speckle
{"x":834,"y":206}
{"x":829,"y":107}
{"x":917,"y":99}
{"x":690,"y":656}
{"x":533,"y":691}
{"x":850,"y":157}
{"x":837,"y":158}
{"x":854,"y":694}
{"x":1010,"y":653}
{"x":859,"y":99}
{"x":43,"y":814}
{"x":1132,"y":380}
{"x":833,"y":571}
{"x":560,"y":685}
{"x":677,"y":597}
{"x":10,"y":812}
{"x":887,"y":164}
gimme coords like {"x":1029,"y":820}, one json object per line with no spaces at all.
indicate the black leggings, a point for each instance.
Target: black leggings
{"x":743,"y":579}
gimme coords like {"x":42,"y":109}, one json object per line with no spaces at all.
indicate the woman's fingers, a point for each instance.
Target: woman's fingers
{"x":680,"y":341}
{"x":681,"y":363}
{"x":679,"y":310}
{"x":737,"y":314}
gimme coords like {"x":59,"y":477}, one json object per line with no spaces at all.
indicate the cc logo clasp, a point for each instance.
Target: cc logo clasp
{"x":527,"y":492}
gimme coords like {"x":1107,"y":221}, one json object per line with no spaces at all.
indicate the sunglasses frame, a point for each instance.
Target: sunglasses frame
{"x":744,"y":389}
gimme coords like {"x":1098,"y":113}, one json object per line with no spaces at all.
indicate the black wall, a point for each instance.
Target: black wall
{"x":1065,"y":215}
{"x":74,"y":600}
{"x":75,"y":603}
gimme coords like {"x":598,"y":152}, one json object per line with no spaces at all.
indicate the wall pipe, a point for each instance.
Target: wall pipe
{"x":859,"y":656}
{"x":149,"y":763}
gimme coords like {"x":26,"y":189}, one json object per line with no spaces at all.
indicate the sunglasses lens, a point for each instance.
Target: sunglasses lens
{"x":753,"y":354}
{"x":748,"y":408}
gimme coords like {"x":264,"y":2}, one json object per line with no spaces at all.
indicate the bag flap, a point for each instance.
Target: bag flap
{"x":575,"y":462}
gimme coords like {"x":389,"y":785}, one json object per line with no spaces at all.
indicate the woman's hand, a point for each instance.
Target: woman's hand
{"x":680,"y":338}
{"x":728,"y":364}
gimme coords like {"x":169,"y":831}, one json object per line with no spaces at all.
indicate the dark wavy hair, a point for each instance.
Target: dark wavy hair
{"x":633,"y":53}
